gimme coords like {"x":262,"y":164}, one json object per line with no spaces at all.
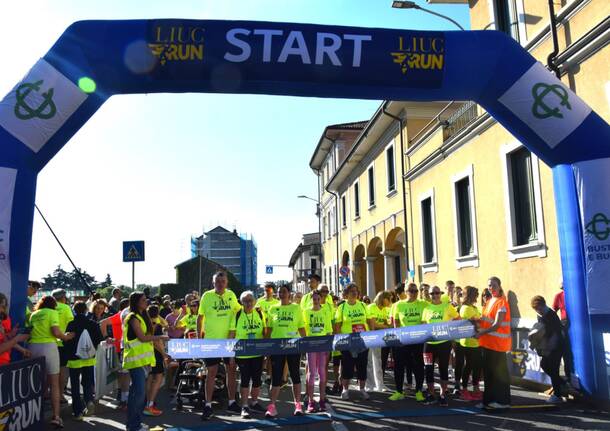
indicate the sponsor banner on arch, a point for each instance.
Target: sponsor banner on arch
{"x":594,"y":198}
{"x":7,"y":187}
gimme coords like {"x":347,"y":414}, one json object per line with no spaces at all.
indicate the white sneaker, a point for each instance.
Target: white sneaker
{"x":554,"y":399}
{"x":480,"y":406}
{"x":382,"y":389}
{"x":495,"y":405}
{"x":345,"y":394}
{"x":369,"y":389}
{"x":364,"y":394}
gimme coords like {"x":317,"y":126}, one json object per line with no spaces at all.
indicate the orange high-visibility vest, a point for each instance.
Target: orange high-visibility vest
{"x":500,"y":339}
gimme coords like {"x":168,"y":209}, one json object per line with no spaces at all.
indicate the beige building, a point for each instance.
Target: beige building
{"x":476,"y":202}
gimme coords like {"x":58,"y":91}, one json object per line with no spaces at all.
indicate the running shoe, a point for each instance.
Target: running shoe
{"x":90,"y":409}
{"x":456,"y":392}
{"x":382,"y":389}
{"x":498,"y":406}
{"x":298,"y":409}
{"x":430,"y":399}
{"x":554,"y":399}
{"x":257,"y":408}
{"x":207,"y":413}
{"x":419,"y":396}
{"x":322,"y":405}
{"x":152,"y":411}
{"x":345,"y":394}
{"x":396,"y":396}
{"x":271,"y":411}
{"x":311,"y":407}
{"x":365,"y":395}
{"x":245,"y":412}
{"x":233,"y":408}
{"x":442,"y":401}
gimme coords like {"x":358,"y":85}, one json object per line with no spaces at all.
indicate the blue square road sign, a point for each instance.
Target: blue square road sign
{"x":133,"y":251}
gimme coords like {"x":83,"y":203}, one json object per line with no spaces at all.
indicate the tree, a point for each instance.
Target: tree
{"x":62,"y":279}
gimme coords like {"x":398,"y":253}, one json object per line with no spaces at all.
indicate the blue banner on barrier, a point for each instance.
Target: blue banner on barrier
{"x":355,"y":342}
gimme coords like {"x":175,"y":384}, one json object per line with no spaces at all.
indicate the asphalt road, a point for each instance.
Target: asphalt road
{"x":377,"y":414}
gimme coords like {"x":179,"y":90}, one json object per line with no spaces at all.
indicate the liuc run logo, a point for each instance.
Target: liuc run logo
{"x":178,"y":43}
{"x":420,"y":53}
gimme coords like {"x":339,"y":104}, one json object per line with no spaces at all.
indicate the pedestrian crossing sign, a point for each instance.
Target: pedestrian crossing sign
{"x":133,"y":251}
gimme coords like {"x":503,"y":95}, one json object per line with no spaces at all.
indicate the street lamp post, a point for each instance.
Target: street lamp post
{"x":404,"y":4}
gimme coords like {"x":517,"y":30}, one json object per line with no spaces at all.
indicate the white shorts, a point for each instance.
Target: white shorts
{"x":51,"y":354}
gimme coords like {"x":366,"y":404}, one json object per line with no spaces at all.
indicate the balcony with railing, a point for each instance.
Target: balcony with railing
{"x":463,"y":116}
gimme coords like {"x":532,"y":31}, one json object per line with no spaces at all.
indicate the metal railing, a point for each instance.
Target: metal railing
{"x":459,"y":119}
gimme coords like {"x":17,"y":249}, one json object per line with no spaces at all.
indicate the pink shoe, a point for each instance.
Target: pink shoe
{"x":298,"y":409}
{"x":311,"y":408}
{"x":271,"y":411}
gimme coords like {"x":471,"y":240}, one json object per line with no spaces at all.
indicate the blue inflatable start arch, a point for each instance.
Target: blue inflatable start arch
{"x":94,"y":60}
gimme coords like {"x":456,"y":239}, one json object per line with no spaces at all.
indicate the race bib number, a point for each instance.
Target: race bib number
{"x":358,"y":328}
{"x":316,"y":330}
{"x":428,"y":359}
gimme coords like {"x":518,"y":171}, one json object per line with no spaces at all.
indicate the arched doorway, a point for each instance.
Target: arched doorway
{"x":375,"y":270}
{"x":359,"y":276}
{"x":394,"y":258}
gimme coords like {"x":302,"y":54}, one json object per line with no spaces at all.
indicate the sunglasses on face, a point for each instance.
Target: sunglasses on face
{"x":412,"y":290}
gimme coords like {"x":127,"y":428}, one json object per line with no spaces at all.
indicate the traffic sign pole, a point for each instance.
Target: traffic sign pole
{"x":133,"y":276}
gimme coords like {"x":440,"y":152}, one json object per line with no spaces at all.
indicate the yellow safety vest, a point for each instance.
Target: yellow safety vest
{"x":81,"y":363}
{"x":136,"y":353}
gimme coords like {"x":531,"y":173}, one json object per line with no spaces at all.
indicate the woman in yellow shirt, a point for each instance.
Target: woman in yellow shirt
{"x":380,"y":311}
{"x":43,"y":342}
{"x":437,"y":311}
{"x":468,"y":359}
{"x":352,"y":316}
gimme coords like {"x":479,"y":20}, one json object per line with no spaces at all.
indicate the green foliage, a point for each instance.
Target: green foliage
{"x":62,"y":279}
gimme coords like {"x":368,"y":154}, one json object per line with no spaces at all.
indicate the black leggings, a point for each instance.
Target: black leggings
{"x":468,"y":360}
{"x":436,"y":353}
{"x":411,"y":358}
{"x":348,"y":362}
{"x":385,"y":353}
{"x":277,"y":368}
{"x":250,"y":370}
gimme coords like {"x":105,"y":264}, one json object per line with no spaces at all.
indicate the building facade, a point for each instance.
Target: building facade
{"x":431,"y":192}
{"x":237,"y":253}
{"x":305,"y":260}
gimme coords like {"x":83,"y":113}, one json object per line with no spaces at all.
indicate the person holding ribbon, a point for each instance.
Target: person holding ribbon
{"x":352,"y":316}
{"x":285,"y":321}
{"x":408,"y":312}
{"x":249,"y":324}
{"x":380,"y":311}
{"x":467,"y":352}
{"x":437,"y":311}
{"x":317,"y":323}
{"x":217,"y":309}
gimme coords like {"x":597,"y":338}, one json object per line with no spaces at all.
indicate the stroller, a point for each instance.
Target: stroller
{"x":191,"y":377}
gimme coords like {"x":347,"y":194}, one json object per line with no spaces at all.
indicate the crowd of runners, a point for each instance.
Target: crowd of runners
{"x":139,"y":327}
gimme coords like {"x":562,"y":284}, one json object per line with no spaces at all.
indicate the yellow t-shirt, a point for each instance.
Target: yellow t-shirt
{"x":353,"y":318}
{"x":64,"y":312}
{"x":217,"y":311}
{"x":248,"y":326}
{"x":317,"y":322}
{"x":436,"y":313}
{"x":265,"y":304}
{"x":408,"y":313}
{"x":42,"y":320}
{"x":381,"y":315}
{"x":285,"y":321}
{"x":468,"y":312}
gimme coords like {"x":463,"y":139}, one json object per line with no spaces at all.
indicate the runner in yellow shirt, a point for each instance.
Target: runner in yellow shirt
{"x":217,"y":308}
{"x":249,"y":324}
{"x":285,"y":321}
{"x":353,"y":316}
{"x":317,"y":323}
{"x":65,"y":314}
{"x":468,"y":353}
{"x":314,"y":283}
{"x":408,"y":312}
{"x":269,"y":300}
{"x":437,"y":351}
{"x":380,"y":311}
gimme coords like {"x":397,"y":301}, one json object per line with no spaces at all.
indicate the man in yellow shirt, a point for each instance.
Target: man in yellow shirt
{"x":314,"y":282}
{"x":269,"y":300}
{"x":65,"y":315}
{"x":217,"y":308}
